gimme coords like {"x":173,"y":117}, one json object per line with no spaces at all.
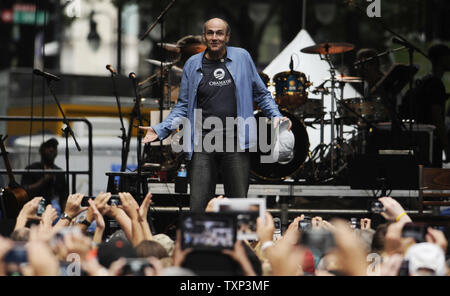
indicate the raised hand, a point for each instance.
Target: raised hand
{"x":393,"y":209}
{"x":73,"y":205}
{"x":150,"y":136}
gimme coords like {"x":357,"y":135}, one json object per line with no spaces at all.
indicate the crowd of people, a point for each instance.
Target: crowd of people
{"x":75,"y":244}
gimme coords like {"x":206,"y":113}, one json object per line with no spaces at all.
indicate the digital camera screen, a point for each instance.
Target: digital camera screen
{"x":210,"y":231}
{"x":246,"y":210}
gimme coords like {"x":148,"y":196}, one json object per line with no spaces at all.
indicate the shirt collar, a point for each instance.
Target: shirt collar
{"x":202,"y":55}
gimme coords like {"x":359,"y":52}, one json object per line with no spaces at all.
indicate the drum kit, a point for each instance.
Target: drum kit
{"x":325,"y":161}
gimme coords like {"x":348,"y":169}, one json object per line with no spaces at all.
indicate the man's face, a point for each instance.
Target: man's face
{"x":215,"y":35}
{"x":49,"y":154}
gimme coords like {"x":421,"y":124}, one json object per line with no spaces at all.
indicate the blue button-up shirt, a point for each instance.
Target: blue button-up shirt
{"x":249,"y":88}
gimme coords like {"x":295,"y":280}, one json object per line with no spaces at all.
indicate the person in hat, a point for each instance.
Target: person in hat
{"x":47,"y":185}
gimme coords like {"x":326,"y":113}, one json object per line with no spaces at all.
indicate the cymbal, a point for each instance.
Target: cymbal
{"x":350,"y":79}
{"x":188,"y":46}
{"x":192,"y":48}
{"x":347,"y":79}
{"x":328,"y":48}
{"x":165,"y":64}
{"x":169,"y":47}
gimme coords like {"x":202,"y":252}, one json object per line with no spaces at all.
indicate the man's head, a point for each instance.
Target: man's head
{"x":216,"y":34}
{"x":369,"y":66}
{"x":439,"y":55}
{"x":49,"y":150}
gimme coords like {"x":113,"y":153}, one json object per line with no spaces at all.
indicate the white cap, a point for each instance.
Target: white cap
{"x":283,"y":151}
{"x":426,"y":255}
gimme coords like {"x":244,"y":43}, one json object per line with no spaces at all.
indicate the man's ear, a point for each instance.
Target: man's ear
{"x":227,"y":39}
{"x":204,"y":38}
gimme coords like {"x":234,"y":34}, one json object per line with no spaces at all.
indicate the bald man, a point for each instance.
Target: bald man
{"x":219,"y":87}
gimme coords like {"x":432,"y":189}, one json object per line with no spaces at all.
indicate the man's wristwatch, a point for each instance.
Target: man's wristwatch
{"x":65,"y":216}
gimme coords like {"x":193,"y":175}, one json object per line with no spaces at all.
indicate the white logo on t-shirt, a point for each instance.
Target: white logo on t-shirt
{"x":219,"y":73}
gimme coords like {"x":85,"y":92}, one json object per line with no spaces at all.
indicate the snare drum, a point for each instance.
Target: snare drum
{"x":290,"y":89}
{"x":372,"y":109}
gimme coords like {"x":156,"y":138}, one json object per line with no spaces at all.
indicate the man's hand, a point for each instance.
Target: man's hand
{"x":276,"y":122}
{"x":179,"y":255}
{"x":143,"y":209}
{"x":28,"y":212}
{"x":73,"y":205}
{"x":210,"y":206}
{"x":393,"y":209}
{"x":49,"y":216}
{"x":129,"y":205}
{"x":437,"y":237}
{"x":150,"y":136}
{"x":265,"y":229}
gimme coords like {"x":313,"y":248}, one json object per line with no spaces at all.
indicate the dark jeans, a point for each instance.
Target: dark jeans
{"x":204,"y":168}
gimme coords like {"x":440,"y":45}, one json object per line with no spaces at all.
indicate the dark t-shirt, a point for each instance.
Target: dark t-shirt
{"x":52,"y":189}
{"x":431,"y":92}
{"x":216,"y":95}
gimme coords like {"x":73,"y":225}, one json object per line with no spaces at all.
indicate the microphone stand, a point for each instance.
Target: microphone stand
{"x":67,"y":130}
{"x":160,"y":20}
{"x":137,"y":113}
{"x":123,"y":137}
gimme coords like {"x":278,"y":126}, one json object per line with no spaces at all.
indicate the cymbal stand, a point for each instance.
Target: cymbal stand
{"x":326,"y":57}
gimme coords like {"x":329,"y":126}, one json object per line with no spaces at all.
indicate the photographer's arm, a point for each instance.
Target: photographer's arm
{"x":143,"y":211}
{"x":100,"y":228}
{"x":122,"y":218}
{"x":28,"y":212}
{"x":240,"y":256}
{"x":101,"y":202}
{"x":131,"y":208}
{"x":48,"y":217}
{"x":394,"y":211}
{"x":350,"y":250}
{"x":284,"y":256}
{"x":40,"y":256}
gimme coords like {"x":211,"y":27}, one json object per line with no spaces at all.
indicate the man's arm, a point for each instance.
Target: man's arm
{"x":261,"y":95}
{"x":180,"y":110}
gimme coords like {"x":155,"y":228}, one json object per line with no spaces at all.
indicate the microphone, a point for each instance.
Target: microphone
{"x":291,"y":64}
{"x":132,"y":75}
{"x":46,"y":75}
{"x":111,"y":69}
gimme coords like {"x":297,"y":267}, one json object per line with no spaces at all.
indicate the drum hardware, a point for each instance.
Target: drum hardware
{"x":328,"y":48}
{"x":170,"y":65}
{"x":325,"y":50}
{"x":290,"y":88}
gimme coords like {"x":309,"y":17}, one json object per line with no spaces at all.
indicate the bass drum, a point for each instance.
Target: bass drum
{"x":277,"y":171}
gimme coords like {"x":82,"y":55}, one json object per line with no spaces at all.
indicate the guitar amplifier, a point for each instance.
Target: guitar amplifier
{"x":417,"y":142}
